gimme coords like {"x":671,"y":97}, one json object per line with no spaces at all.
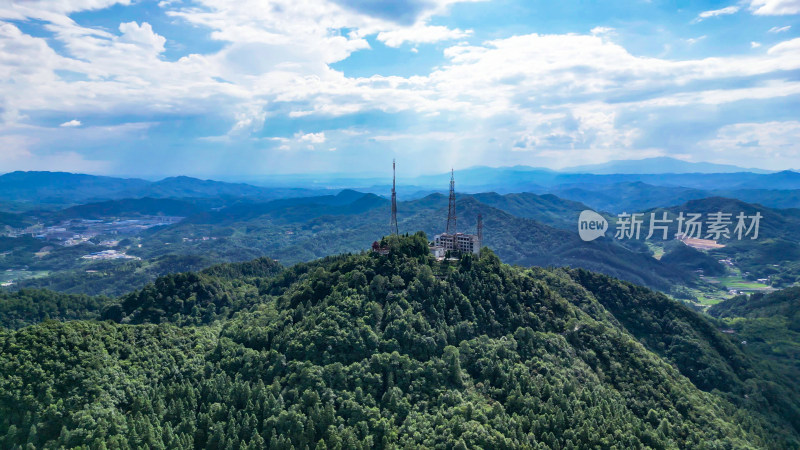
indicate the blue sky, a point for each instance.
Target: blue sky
{"x":233,"y":89}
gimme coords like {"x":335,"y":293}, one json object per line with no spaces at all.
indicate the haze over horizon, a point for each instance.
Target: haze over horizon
{"x":472,"y":175}
{"x":235,"y":90}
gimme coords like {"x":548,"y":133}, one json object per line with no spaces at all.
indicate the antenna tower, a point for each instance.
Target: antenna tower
{"x":451,"y":207}
{"x":480,"y":231}
{"x":393,"y":224}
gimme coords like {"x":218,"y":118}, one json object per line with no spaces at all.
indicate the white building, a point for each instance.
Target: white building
{"x":466,"y":243}
{"x":438,"y":252}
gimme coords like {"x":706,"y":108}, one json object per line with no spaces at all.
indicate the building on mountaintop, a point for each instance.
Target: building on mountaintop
{"x":451,"y":240}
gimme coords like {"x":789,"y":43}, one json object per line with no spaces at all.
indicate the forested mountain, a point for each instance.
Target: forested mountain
{"x":546,"y":209}
{"x":677,"y":254}
{"x":628,"y":197}
{"x":371,"y":351}
{"x":293,"y":210}
{"x":784,"y":303}
{"x":29,"y":306}
{"x":114,"y":277}
{"x":768,"y":326}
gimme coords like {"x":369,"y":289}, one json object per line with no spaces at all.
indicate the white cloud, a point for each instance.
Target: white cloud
{"x":48,"y":9}
{"x":278,"y":53}
{"x":553,"y":69}
{"x":141,"y":35}
{"x":71,"y":123}
{"x":442,"y":136}
{"x":313,"y":138}
{"x":549,"y":93}
{"x":763,"y":91}
{"x":779,"y":29}
{"x":789,"y":49}
{"x":754,"y":44}
{"x":422,"y":34}
{"x":692,"y":41}
{"x":774,"y":143}
{"x":599,"y":31}
{"x":124,"y":73}
{"x":775,"y":7}
{"x":250,"y":118}
{"x":717,"y":12}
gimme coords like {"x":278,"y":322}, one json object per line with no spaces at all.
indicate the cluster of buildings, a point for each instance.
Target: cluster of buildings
{"x":77,"y":231}
{"x":108,"y":254}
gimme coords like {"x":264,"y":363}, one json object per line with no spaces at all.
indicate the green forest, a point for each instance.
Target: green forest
{"x":397,"y":351}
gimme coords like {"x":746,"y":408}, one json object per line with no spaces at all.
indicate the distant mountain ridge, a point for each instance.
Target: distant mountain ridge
{"x":658,"y":165}
{"x":59,"y":189}
{"x":64,"y":188}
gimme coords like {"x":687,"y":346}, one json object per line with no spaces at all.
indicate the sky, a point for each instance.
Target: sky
{"x":241,"y":89}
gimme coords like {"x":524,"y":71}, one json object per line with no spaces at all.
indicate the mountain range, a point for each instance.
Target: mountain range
{"x":24,"y":191}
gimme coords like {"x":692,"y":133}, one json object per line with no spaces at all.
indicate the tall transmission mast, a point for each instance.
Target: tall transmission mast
{"x":451,"y":207}
{"x":480,"y":231}
{"x":393,"y":224}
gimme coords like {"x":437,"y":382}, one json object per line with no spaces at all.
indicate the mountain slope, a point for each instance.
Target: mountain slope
{"x":628,"y":197}
{"x":293,"y":210}
{"x":128,"y":207}
{"x":781,"y":303}
{"x":768,"y":328}
{"x":30,"y":306}
{"x":787,"y":179}
{"x":547,"y":209}
{"x":370,"y":351}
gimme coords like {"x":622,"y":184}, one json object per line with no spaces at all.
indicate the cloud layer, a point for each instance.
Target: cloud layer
{"x":269,"y":87}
